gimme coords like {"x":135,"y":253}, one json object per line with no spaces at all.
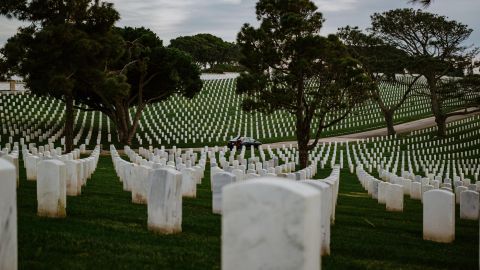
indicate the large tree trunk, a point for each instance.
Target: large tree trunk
{"x":303,"y":154}
{"x":69,"y":119}
{"x":303,"y":126}
{"x":440,"y":117}
{"x":388,"y":115}
{"x":123,"y":135}
{"x":126,"y":131}
{"x":441,"y":121}
{"x":387,"y":112}
{"x":122,"y":122}
{"x":303,"y":138}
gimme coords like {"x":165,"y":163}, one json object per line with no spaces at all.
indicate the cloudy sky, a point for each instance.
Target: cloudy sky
{"x":173,"y":18}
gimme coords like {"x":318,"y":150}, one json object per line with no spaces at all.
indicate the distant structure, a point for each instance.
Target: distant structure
{"x":217,"y":76}
{"x":12,"y":86}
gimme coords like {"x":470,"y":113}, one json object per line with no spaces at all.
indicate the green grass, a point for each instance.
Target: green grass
{"x":366,"y":236}
{"x":104,"y":230}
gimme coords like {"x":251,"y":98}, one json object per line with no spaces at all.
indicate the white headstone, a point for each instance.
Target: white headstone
{"x":31,"y":165}
{"x":458,"y":191}
{"x":269,"y":223}
{"x":72,"y":178}
{"x":382,"y":192}
{"x":189,"y":183}
{"x":416,"y":190}
{"x":165,"y":201}
{"x":469,"y":205}
{"x":140,"y":185}
{"x":394,"y":198}
{"x":439,"y":216}
{"x":8,"y":216}
{"x":325,"y":210}
{"x":51,"y":188}
{"x":219,"y":181}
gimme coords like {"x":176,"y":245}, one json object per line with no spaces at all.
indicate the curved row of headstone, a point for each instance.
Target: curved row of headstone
{"x":438,"y":203}
{"x":422,"y":169}
{"x":237,"y":169}
{"x":160,"y":181}
{"x":450,"y":158}
{"x":58,"y":175}
{"x":277,"y":223}
{"x":281,"y":159}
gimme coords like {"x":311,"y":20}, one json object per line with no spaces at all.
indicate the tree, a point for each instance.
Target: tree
{"x":62,"y":50}
{"x":435,"y":44}
{"x":383,"y":64}
{"x":291,"y":67}
{"x":424,"y":3}
{"x":207,"y":49}
{"x":146,"y":73}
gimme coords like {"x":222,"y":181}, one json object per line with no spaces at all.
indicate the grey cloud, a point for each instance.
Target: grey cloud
{"x":170,"y":19}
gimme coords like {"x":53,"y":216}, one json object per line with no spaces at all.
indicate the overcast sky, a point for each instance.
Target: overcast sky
{"x":173,"y":18}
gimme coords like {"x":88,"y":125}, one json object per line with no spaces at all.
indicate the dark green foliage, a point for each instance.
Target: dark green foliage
{"x":63,"y":52}
{"x":148,"y":73}
{"x":377,"y":57}
{"x":207,"y":49}
{"x":290,"y":67}
{"x":383,"y":63}
{"x":424,"y":3}
{"x":436,"y":47}
{"x":436,"y":42}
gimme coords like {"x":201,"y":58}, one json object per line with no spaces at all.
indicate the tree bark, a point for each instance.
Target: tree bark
{"x":122,"y":124}
{"x":303,"y":154}
{"x":126,"y":132}
{"x":436,"y":103}
{"x":303,"y":138}
{"x":441,"y":121}
{"x":388,"y":115}
{"x":123,"y":131}
{"x":69,"y":125}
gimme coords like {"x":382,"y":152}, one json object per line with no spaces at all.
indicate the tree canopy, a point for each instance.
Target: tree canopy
{"x":424,"y":3}
{"x":71,"y":51}
{"x":385,"y":65}
{"x":207,"y":49}
{"x":64,"y":49}
{"x":436,"y":46}
{"x":291,"y":67}
{"x":146,"y":73}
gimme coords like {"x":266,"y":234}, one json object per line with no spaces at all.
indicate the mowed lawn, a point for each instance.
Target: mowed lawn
{"x":104,"y":230}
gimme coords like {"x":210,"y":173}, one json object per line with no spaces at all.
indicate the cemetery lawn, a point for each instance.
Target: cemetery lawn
{"x":104,"y":230}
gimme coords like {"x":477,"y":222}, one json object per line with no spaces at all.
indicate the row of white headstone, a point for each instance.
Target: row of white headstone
{"x":277,"y":223}
{"x":57,"y":176}
{"x":438,"y":203}
{"x":160,"y":184}
{"x":53,"y":173}
{"x":408,"y":160}
{"x":191,"y":122}
{"x":415,"y":185}
{"x":45,"y":115}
